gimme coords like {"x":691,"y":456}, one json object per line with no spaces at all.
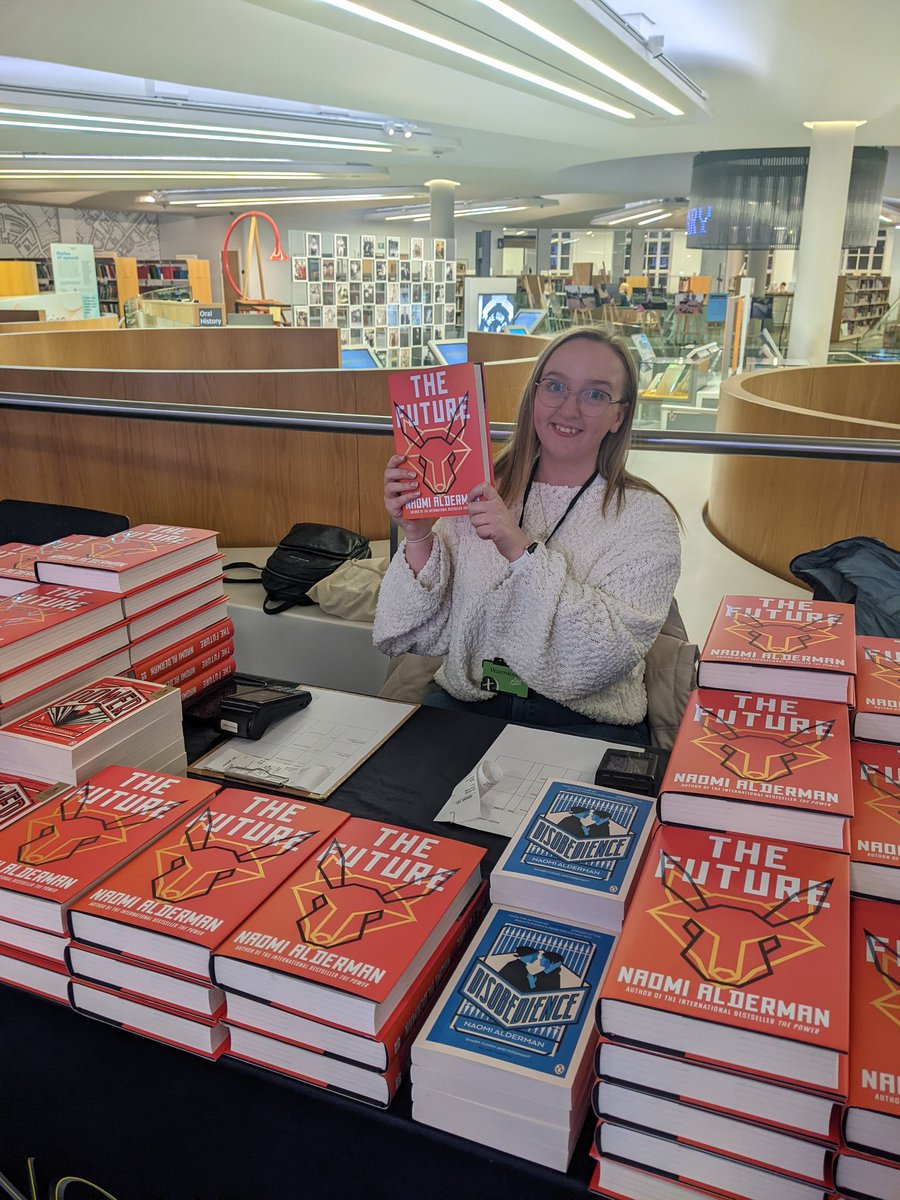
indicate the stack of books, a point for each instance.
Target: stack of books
{"x":112,"y":720}
{"x":869,"y":1161}
{"x":57,"y":850}
{"x":146,"y":934}
{"x":877,"y":707}
{"x":507,"y":1057}
{"x":193,"y":664}
{"x":17,"y":561}
{"x":169,"y":579}
{"x":327,"y":980}
{"x":53,"y":639}
{"x":875,"y":828}
{"x":19,"y":795}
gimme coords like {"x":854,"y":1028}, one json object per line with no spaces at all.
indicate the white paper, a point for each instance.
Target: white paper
{"x":499,"y":790}
{"x":314,"y":749}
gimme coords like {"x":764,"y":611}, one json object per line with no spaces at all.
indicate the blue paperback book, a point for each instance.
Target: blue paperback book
{"x":576,"y":854}
{"x":519,"y":1004}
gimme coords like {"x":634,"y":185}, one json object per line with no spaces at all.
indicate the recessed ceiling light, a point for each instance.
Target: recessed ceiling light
{"x":548,"y":35}
{"x":496,"y":64}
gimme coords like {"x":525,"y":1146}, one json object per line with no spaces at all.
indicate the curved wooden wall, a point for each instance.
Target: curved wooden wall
{"x":251,"y":485}
{"x":770,"y":509}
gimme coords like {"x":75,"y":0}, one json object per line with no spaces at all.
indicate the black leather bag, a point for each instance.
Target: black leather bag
{"x":307,"y":554}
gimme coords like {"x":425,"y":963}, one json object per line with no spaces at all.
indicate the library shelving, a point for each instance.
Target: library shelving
{"x":860,"y":301}
{"x":117,"y":281}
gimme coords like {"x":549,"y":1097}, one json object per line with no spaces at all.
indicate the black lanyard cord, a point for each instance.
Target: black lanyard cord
{"x":584,"y":487}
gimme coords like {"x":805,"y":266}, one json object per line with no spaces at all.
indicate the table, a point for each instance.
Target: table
{"x":149,"y":1122}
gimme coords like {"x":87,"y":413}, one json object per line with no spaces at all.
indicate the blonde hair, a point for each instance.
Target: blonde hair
{"x":516,"y":460}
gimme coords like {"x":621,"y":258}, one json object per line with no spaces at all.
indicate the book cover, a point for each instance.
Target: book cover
{"x":875,"y":1011}
{"x":441,"y":426}
{"x":166,"y":662}
{"x":86,"y":714}
{"x":191,"y":625}
{"x":36,"y":622}
{"x":189,"y":668}
{"x":877,"y":688}
{"x":354,"y":916}
{"x":18,"y":796}
{"x":49,"y":857}
{"x":105,"y":664}
{"x":208,"y":871}
{"x":33,"y":973}
{"x":118,"y":558}
{"x":521,"y":999}
{"x":193,"y":687}
{"x":585,"y":842}
{"x":17,"y":561}
{"x":875,"y":828}
{"x":781,"y":751}
{"x":744,"y":932}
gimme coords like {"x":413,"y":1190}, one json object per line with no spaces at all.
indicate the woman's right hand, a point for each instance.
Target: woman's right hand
{"x":401,"y":486}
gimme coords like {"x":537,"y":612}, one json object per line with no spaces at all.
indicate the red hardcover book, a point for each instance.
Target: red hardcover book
{"x":164,"y":614}
{"x":343,"y":939}
{"x":761,"y":765}
{"x":623,"y":1181}
{"x":45,"y":977}
{"x":203,"y":682}
{"x":194,"y":624}
{"x":17,"y":561}
{"x":208,"y":1038}
{"x":872,"y":1120}
{"x":178,"y":583}
{"x":866,"y":1176}
{"x":19,"y":795}
{"x":163,"y":663}
{"x":675,"y":1170}
{"x":147,"y":985}
{"x":189,"y":668}
{"x":786,"y":647}
{"x":51,"y":857}
{"x":734,"y":952}
{"x":124,"y":561}
{"x":179,"y":899}
{"x":875,"y":828}
{"x":377,"y":1050}
{"x":86,"y":728}
{"x":441,"y":426}
{"x":877,"y":707}
{"x":34,"y":624}
{"x":104,"y":653}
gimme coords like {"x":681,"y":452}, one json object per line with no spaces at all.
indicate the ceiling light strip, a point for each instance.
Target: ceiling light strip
{"x":29,"y":156}
{"x":596,"y":64}
{"x":239,"y":201}
{"x":496,"y":64}
{"x":244,"y":176}
{"x":652,"y":219}
{"x":633,"y":216}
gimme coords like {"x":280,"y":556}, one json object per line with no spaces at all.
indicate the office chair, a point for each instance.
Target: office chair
{"x":35,"y":523}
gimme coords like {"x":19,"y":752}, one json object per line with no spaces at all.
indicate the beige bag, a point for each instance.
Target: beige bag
{"x":351,"y":592}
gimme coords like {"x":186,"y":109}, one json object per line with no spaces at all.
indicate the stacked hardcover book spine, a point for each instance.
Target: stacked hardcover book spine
{"x":328,"y":979}
{"x":506,"y":1058}
{"x":143,"y":938}
{"x":169,"y":581}
{"x":739,"y":1010}
{"x":63,"y":843}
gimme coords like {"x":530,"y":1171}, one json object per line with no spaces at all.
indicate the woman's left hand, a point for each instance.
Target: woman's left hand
{"x":493,"y":521}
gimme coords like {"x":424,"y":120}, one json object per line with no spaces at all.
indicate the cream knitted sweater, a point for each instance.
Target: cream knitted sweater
{"x":574,"y":619}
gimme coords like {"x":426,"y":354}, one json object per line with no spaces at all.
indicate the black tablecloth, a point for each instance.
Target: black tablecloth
{"x":143,"y":1120}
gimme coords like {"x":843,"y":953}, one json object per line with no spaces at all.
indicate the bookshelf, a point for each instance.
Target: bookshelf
{"x":860,"y":301}
{"x":117,"y":281}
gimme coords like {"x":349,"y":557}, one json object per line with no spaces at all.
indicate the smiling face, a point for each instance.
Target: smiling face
{"x":570,"y":434}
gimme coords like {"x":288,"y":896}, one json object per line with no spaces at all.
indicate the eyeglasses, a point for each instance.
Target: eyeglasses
{"x":590,"y":400}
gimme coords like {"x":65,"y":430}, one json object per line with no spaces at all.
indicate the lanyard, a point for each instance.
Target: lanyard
{"x":584,"y":487}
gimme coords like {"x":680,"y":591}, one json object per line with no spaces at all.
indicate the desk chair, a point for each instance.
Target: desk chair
{"x":35,"y":523}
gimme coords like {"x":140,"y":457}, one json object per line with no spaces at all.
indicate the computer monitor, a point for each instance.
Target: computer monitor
{"x":360,"y":358}
{"x":450,"y":350}
{"x":528,"y":319}
{"x":516,"y":330}
{"x":495,"y":311}
{"x":761,"y":307}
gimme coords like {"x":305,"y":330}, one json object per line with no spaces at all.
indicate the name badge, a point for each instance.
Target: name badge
{"x":496,"y":676}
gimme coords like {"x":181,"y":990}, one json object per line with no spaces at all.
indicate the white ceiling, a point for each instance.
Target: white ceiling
{"x":766,"y":67}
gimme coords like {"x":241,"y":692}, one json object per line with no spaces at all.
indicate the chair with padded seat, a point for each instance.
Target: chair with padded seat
{"x":35,"y":523}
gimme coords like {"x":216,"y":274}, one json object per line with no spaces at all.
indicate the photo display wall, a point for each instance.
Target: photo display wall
{"x":392,"y":295}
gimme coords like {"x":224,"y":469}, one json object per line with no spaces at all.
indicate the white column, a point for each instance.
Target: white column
{"x":819,"y":253}
{"x":442,"y":192}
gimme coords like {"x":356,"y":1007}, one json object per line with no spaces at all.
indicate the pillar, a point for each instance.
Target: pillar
{"x":442,"y":192}
{"x":757,"y":261}
{"x":819,"y":253}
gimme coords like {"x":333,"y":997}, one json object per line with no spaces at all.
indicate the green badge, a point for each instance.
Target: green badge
{"x":496,"y":676}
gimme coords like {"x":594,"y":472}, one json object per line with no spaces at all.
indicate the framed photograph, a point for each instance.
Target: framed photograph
{"x":315,"y":316}
{"x":404,"y":335}
{"x":313,"y":245}
{"x":380,"y":251}
{"x":440,"y":249}
{"x":368,"y":268}
{"x":328,"y":296}
{"x":369,"y":315}
{"x":314,"y":269}
{"x":416,"y":315}
{"x":380,"y":314}
{"x":343,"y":318}
{"x":415,"y":270}
{"x":393,"y":247}
{"x":368,"y":293}
{"x":404,"y":314}
{"x":345,"y":337}
{"x":450,"y":272}
{"x":427,"y":293}
{"x":393,"y":293}
{"x":416,"y":335}
{"x":368,"y":247}
{"x":380,"y":268}
{"x":381,"y":293}
{"x":439,"y":293}
{"x":328,"y":269}
{"x":393,"y":314}
{"x":428,"y":314}
{"x":393,"y":337}
{"x":355,"y":316}
{"x":380,"y":339}
{"x":405,"y":358}
{"x":341,"y":245}
{"x":393,"y":270}
{"x":416,"y":247}
{"x":301,"y":317}
{"x":404,"y":271}
{"x":417,"y":293}
{"x":315,"y":293}
{"x":355,"y":293}
{"x":428,"y":270}
{"x":340,"y":270}
{"x":298,"y":270}
{"x":404,"y":293}
{"x":355,"y":270}
{"x":342,"y":293}
{"x":329,"y":316}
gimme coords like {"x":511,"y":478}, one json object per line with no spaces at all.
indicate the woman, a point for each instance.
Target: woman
{"x":565,"y":570}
